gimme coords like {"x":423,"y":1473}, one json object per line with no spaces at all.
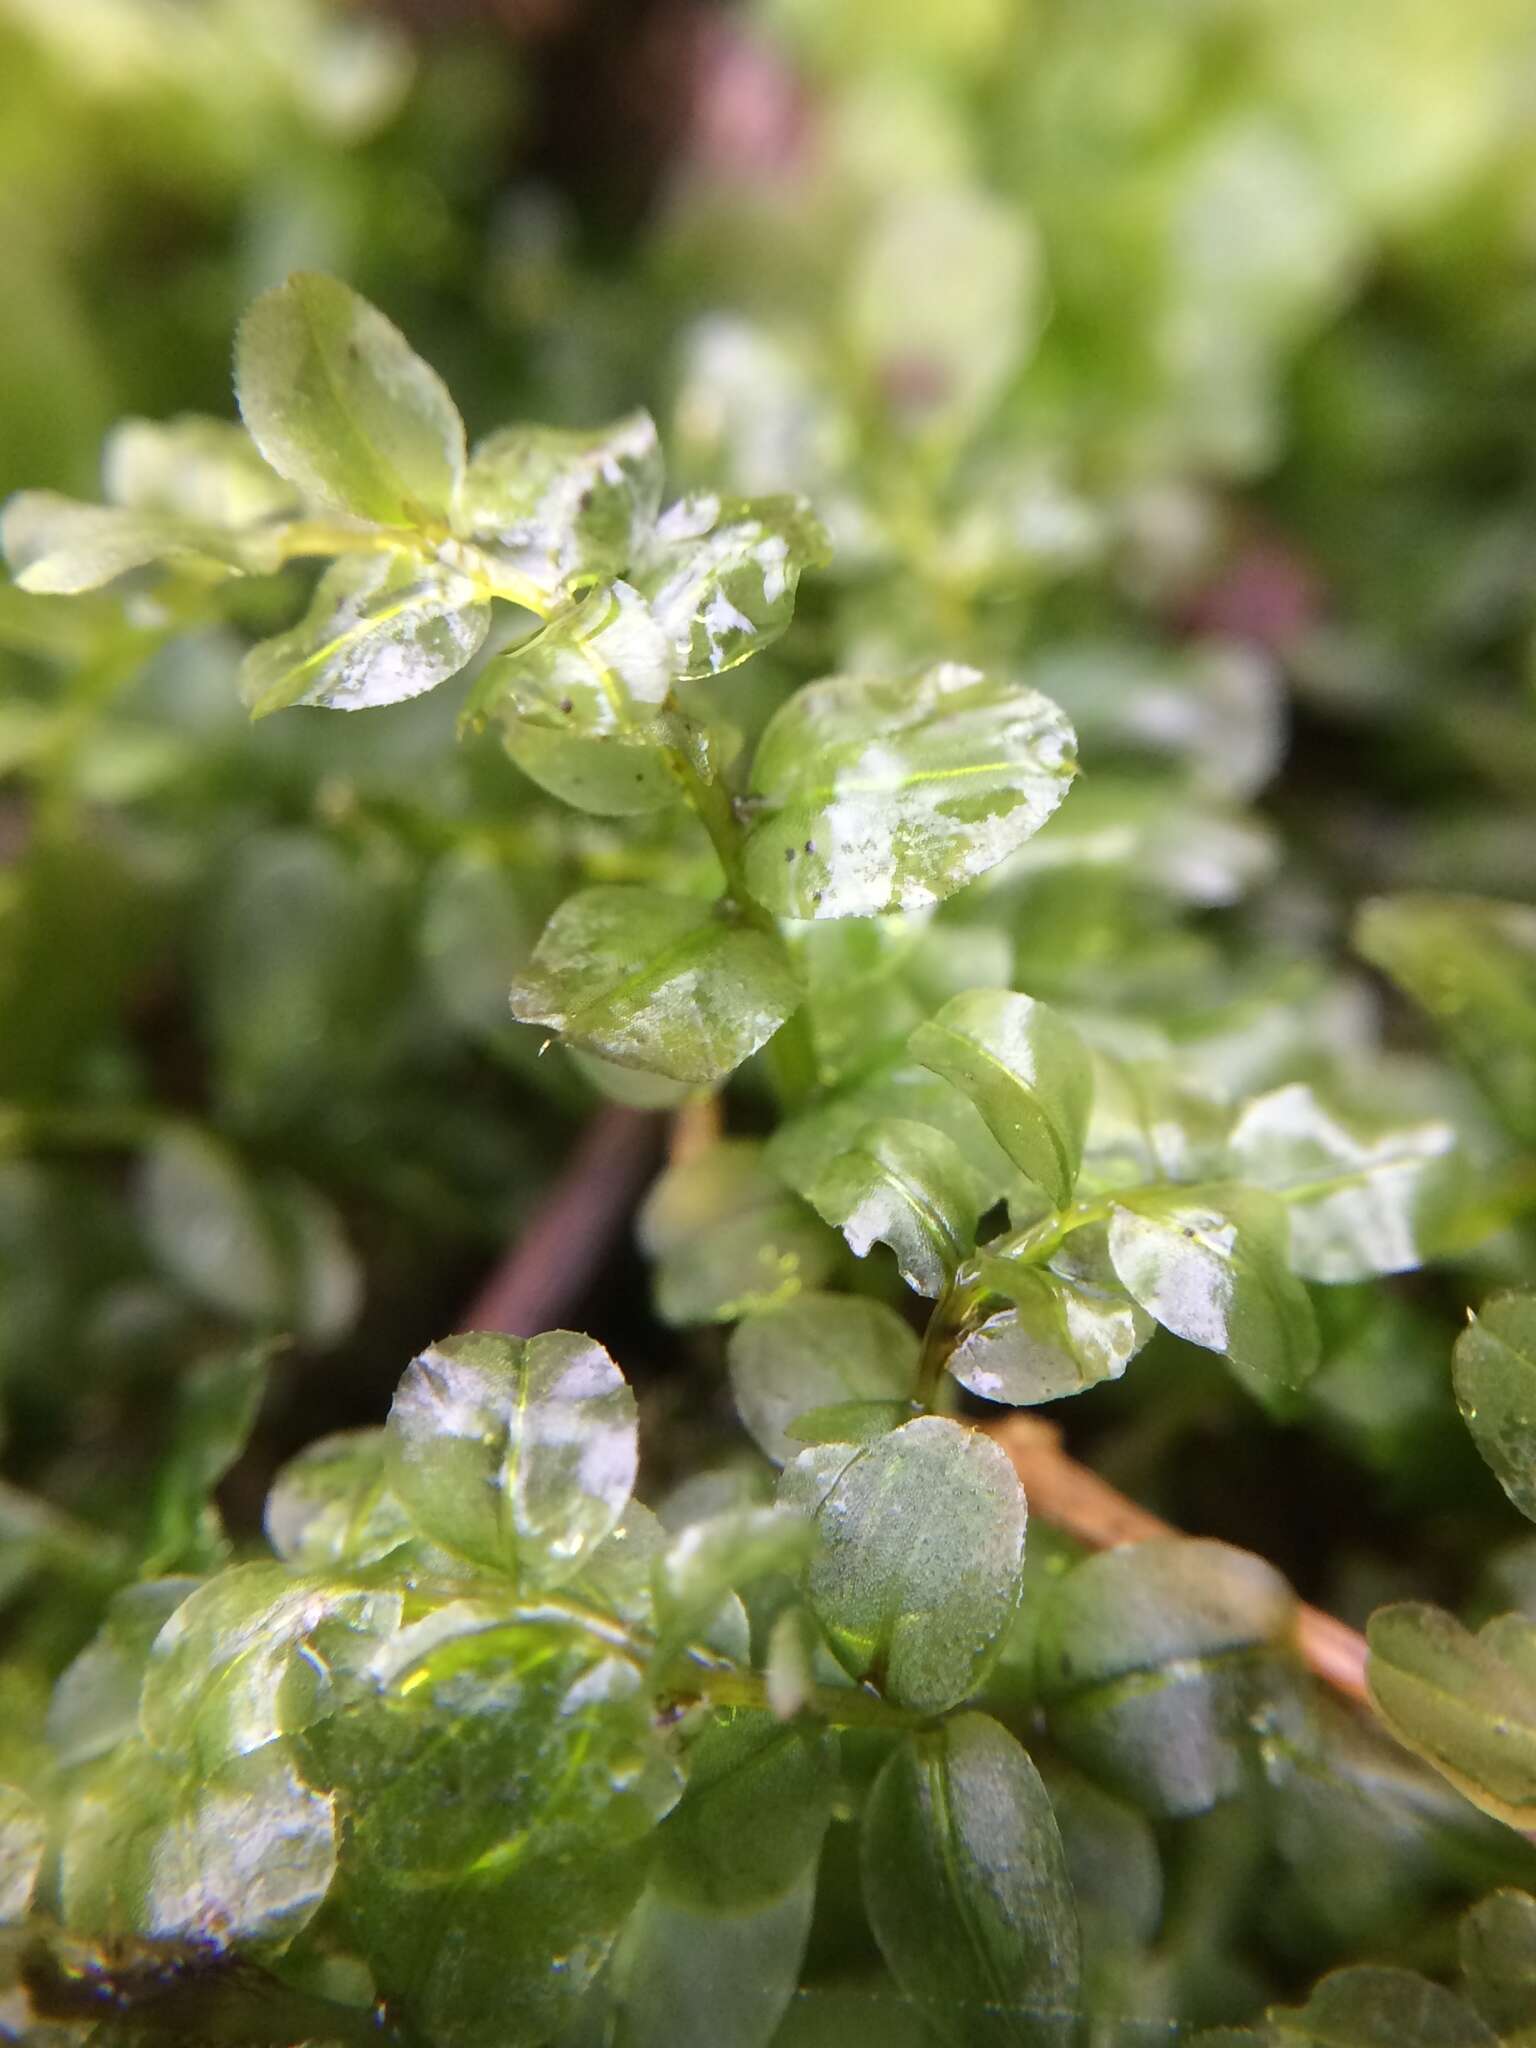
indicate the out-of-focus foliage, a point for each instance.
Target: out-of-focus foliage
{"x":1105,"y":898}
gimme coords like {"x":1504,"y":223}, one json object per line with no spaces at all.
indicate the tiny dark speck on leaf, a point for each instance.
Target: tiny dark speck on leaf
{"x":810,"y":846}
{"x":789,"y":853}
{"x":567,"y":706}
{"x":1189,"y":1230}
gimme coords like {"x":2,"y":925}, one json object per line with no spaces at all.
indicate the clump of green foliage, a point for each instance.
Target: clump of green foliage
{"x":482,"y":1749}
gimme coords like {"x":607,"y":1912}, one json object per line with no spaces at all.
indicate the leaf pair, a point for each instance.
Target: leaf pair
{"x":866,"y":797}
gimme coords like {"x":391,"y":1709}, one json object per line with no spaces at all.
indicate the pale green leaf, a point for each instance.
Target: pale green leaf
{"x":207,"y":1225}
{"x":254,"y":1655}
{"x":95,"y":1703}
{"x":820,"y":1350}
{"x":59,"y":546}
{"x":1374,"y":2007}
{"x":664,"y":983}
{"x":519,"y":1454}
{"x":727,"y":1239}
{"x":966,"y":1886}
{"x":217,"y":1402}
{"x":720,"y":575}
{"x":331,"y":1506}
{"x":1028,"y":1073}
{"x":943,"y":301}
{"x":340,"y":404}
{"x":1210,"y":1265}
{"x":904,"y":1185}
{"x":245,"y":1853}
{"x":874,"y":796}
{"x":577,"y":706}
{"x":804,"y":1146}
{"x":1497,"y":1945}
{"x":1053,"y":1332}
{"x":1362,"y":1195}
{"x":381,"y":628}
{"x":1470,"y":962}
{"x":206,"y":471}
{"x":849,"y":1422}
{"x":614,"y":775}
{"x":916,"y":1573}
{"x":557,"y":503}
{"x":708,"y":1560}
{"x":1466,"y":1703}
{"x":23,"y":1839}
{"x":1494,"y":1370}
{"x":599,"y":668}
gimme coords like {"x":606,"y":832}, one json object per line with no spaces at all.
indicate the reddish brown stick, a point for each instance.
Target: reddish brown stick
{"x":546,"y":1272}
{"x":1070,"y":1497}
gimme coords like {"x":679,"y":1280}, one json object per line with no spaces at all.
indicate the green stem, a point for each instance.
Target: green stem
{"x":791,"y":1055}
{"x":841,"y":1706}
{"x":1034,"y":1245}
{"x":968,"y":1290}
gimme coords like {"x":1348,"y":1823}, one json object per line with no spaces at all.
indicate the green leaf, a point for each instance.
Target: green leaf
{"x":381,"y":628}
{"x":517,"y":1454}
{"x":1361,"y":1200}
{"x":61,"y":547}
{"x":751,"y":1819}
{"x":255,"y":1655}
{"x":849,"y":1422}
{"x":596,"y":669}
{"x":728,"y":1239}
{"x":1497,"y":1945}
{"x":965,"y":1882}
{"x":216,"y":1406}
{"x":208,"y":1227}
{"x":720,"y":575}
{"x":1374,"y":2007}
{"x":577,"y":705}
{"x":244,"y":1853}
{"x":206,"y":471}
{"x":1162,"y":1664}
{"x":1028,"y":1073}
{"x":1466,"y":1703}
{"x":498,"y":1794}
{"x":686,"y":1976}
{"x":331,"y":1506}
{"x":940,"y":354}
{"x":1494,"y":1370}
{"x":707,"y":1561}
{"x":916,"y":1573}
{"x":23,"y":1839}
{"x":873,"y":796}
{"x":805,"y":1146}
{"x":340,"y":404}
{"x":612,"y":775}
{"x":820,"y":1350}
{"x":657,"y":982}
{"x":1210,"y":1265}
{"x":1061,"y":1330}
{"x":95,"y":1704}
{"x":1112,"y":1859}
{"x":558,"y":504}
{"x":904,"y":1185}
{"x":1470,"y":963}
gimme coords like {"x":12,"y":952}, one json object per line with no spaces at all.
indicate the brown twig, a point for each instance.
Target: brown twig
{"x":549,"y":1267}
{"x":1070,"y":1497}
